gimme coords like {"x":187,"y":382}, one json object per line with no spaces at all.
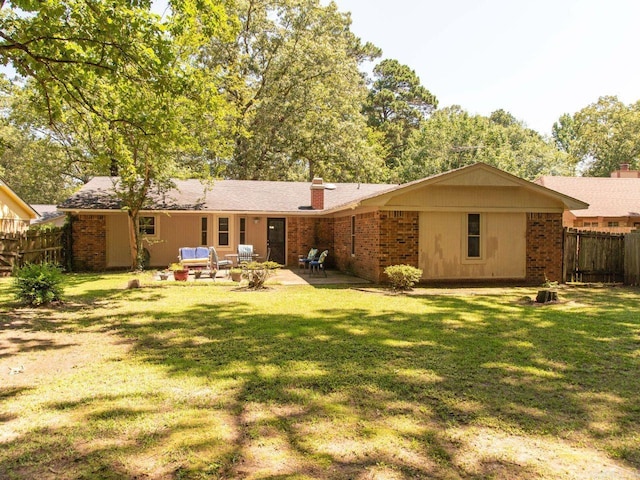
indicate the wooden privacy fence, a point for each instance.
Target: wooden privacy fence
{"x":31,"y":247}
{"x":593,"y":256}
{"x":632,"y":258}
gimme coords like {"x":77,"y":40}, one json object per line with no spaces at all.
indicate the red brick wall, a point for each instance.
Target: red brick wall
{"x":89,"y":233}
{"x":544,"y":247}
{"x":365,"y":262}
{"x":399,"y":239}
{"x":306,"y":232}
{"x":382,"y":239}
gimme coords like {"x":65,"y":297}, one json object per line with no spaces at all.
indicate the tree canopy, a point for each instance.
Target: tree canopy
{"x":452,"y":138}
{"x":396,"y":106}
{"x":293,"y":78}
{"x":601,"y":136}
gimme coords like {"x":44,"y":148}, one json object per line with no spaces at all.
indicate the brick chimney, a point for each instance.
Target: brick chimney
{"x":624,"y":172}
{"x":317,"y":194}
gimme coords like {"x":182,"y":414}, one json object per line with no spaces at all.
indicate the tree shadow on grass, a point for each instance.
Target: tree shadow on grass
{"x":335,"y":392}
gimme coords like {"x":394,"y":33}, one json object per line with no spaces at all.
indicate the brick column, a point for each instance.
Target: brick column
{"x":399,"y":239}
{"x":89,"y":233}
{"x":544,"y":247}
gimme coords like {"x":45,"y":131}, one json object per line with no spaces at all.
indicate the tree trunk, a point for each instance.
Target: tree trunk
{"x":133,"y":239}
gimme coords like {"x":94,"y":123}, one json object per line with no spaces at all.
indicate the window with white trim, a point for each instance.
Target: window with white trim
{"x":147,"y":225}
{"x":473,"y":236}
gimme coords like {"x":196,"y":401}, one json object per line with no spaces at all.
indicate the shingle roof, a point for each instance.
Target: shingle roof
{"x":226,"y":196}
{"x":607,"y":197}
{"x":46,"y":212}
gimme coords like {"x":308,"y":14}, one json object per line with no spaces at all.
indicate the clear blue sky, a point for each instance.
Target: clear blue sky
{"x":535,"y":59}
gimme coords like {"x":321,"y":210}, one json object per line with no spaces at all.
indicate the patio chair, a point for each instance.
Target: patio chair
{"x":217,"y":264}
{"x":245,"y":254}
{"x":317,"y":265}
{"x":303,"y":261}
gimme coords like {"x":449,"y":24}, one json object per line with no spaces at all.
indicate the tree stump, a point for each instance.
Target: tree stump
{"x":546,"y":296}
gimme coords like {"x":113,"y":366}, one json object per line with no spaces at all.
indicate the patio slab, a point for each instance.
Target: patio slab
{"x":286,"y":276}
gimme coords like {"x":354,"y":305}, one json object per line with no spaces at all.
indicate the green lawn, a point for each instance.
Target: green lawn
{"x":209,"y":381}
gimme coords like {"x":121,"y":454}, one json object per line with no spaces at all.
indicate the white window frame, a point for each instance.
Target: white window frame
{"x":156,"y":226}
{"x":466,"y":259}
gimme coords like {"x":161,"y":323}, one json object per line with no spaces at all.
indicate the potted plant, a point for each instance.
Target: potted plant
{"x":163,"y":274}
{"x":236,"y":274}
{"x":180,"y":273}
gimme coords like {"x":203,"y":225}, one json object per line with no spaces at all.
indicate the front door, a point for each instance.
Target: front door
{"x":276,"y":240}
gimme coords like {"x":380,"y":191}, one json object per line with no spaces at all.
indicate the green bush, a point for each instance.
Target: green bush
{"x":38,"y":284}
{"x":257,"y":273}
{"x":403,"y":277}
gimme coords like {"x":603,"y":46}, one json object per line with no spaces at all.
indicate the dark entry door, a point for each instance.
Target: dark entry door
{"x":276,"y":239}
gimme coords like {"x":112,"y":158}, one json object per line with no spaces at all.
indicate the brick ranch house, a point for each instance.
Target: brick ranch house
{"x":476,"y":223}
{"x":614,"y":202}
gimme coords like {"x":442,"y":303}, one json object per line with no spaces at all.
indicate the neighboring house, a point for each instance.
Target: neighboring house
{"x":48,"y":215}
{"x":476,"y":223}
{"x":614,"y":202}
{"x":15,"y":213}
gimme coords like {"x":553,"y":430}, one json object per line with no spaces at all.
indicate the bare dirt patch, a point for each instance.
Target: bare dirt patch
{"x":31,"y":354}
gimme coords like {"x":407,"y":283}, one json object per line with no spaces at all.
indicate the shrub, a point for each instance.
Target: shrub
{"x":403,"y":277}
{"x":258,"y":272}
{"x":38,"y":284}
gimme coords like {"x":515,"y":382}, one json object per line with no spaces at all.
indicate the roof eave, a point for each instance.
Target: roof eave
{"x":16,"y":198}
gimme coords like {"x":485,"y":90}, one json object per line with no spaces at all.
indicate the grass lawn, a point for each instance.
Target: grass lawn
{"x":209,"y":381}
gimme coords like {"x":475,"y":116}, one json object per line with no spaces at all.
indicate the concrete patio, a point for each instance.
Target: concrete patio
{"x":286,"y":276}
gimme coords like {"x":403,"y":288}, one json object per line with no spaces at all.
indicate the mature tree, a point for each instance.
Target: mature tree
{"x":35,"y":168}
{"x":564,"y":133}
{"x":42,"y":164}
{"x":292,"y":73}
{"x":67,"y":47}
{"x":396,"y":105}
{"x":452,"y":138}
{"x":502,"y":117}
{"x":601,"y":136}
{"x":124,"y":85}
